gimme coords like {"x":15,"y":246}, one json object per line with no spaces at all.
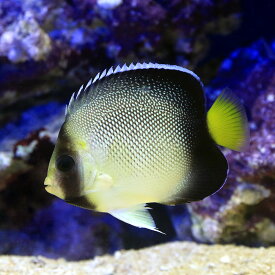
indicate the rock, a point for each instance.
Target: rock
{"x":248,"y":71}
{"x":173,"y":258}
{"x":62,"y":229}
{"x":230,"y":223}
{"x":40,"y":223}
{"x":25,"y":40}
{"x":47,"y":49}
{"x":49,"y":116}
{"x":26,"y":144}
{"x":32,"y":222}
{"x":20,"y":181}
{"x":242,"y":210}
{"x":51,"y":47}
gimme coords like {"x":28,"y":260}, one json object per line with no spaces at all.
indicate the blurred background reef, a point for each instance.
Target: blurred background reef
{"x":49,"y":48}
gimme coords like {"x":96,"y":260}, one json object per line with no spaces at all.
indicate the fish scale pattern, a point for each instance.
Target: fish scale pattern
{"x":139,"y":129}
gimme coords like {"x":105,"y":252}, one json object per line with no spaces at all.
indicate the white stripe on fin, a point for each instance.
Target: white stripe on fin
{"x":81,"y":89}
{"x":117,"y":69}
{"x":102,"y":74}
{"x":96,"y":78}
{"x":110,"y":71}
{"x":132,"y":67}
{"x":150,"y":65}
{"x":87,"y":86}
{"x":68,"y":107}
{"x":137,"y":215}
{"x":124,"y":68}
{"x":71,"y":100}
{"x":142,"y":66}
{"x":138,"y":66}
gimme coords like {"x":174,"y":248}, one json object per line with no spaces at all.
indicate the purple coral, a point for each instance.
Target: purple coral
{"x":49,"y":48}
{"x":242,"y":210}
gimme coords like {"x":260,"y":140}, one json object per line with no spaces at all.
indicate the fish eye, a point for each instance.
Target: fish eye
{"x":65,"y":163}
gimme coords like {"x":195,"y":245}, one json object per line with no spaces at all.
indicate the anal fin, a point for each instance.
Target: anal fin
{"x":137,"y":215}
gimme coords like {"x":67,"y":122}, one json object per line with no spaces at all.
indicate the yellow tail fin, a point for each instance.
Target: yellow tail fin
{"x":227,"y":122}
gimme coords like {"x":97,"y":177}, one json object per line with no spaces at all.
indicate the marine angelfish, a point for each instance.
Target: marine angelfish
{"x":140,"y":134}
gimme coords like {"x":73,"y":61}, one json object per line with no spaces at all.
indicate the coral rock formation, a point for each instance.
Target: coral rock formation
{"x":242,"y":210}
{"x":173,"y":259}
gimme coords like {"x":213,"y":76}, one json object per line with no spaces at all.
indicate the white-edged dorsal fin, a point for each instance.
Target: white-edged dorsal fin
{"x":137,"y":215}
{"x":69,"y":106}
{"x":102,"y":74}
{"x":110,"y":71}
{"x":124,"y":68}
{"x":138,"y":66}
{"x":81,"y":89}
{"x":71,"y":100}
{"x":131,"y":67}
{"x":117,"y":69}
{"x":87,"y":86}
{"x":96,"y":78}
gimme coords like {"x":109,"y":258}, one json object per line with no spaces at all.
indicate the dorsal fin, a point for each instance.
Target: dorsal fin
{"x":125,"y":68}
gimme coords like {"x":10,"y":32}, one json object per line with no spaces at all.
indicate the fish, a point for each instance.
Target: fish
{"x":141,"y":134}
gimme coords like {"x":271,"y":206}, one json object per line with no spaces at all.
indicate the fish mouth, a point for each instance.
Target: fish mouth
{"x":47,"y":187}
{"x":47,"y":181}
{"x":47,"y":184}
{"x":53,"y":189}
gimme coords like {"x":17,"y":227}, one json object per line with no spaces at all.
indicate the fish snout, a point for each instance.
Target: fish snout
{"x":47,"y":181}
{"x":53,"y":188}
{"x":48,"y":185}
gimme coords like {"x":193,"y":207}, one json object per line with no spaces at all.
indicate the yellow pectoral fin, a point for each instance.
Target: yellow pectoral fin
{"x":227,"y":122}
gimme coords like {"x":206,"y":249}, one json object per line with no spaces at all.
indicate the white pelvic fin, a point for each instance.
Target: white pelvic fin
{"x":137,"y":215}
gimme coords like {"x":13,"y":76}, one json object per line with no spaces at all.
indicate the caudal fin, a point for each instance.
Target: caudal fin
{"x":227,"y":122}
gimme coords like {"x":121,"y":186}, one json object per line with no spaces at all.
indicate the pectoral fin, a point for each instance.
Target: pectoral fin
{"x":103,"y":182}
{"x":137,"y":215}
